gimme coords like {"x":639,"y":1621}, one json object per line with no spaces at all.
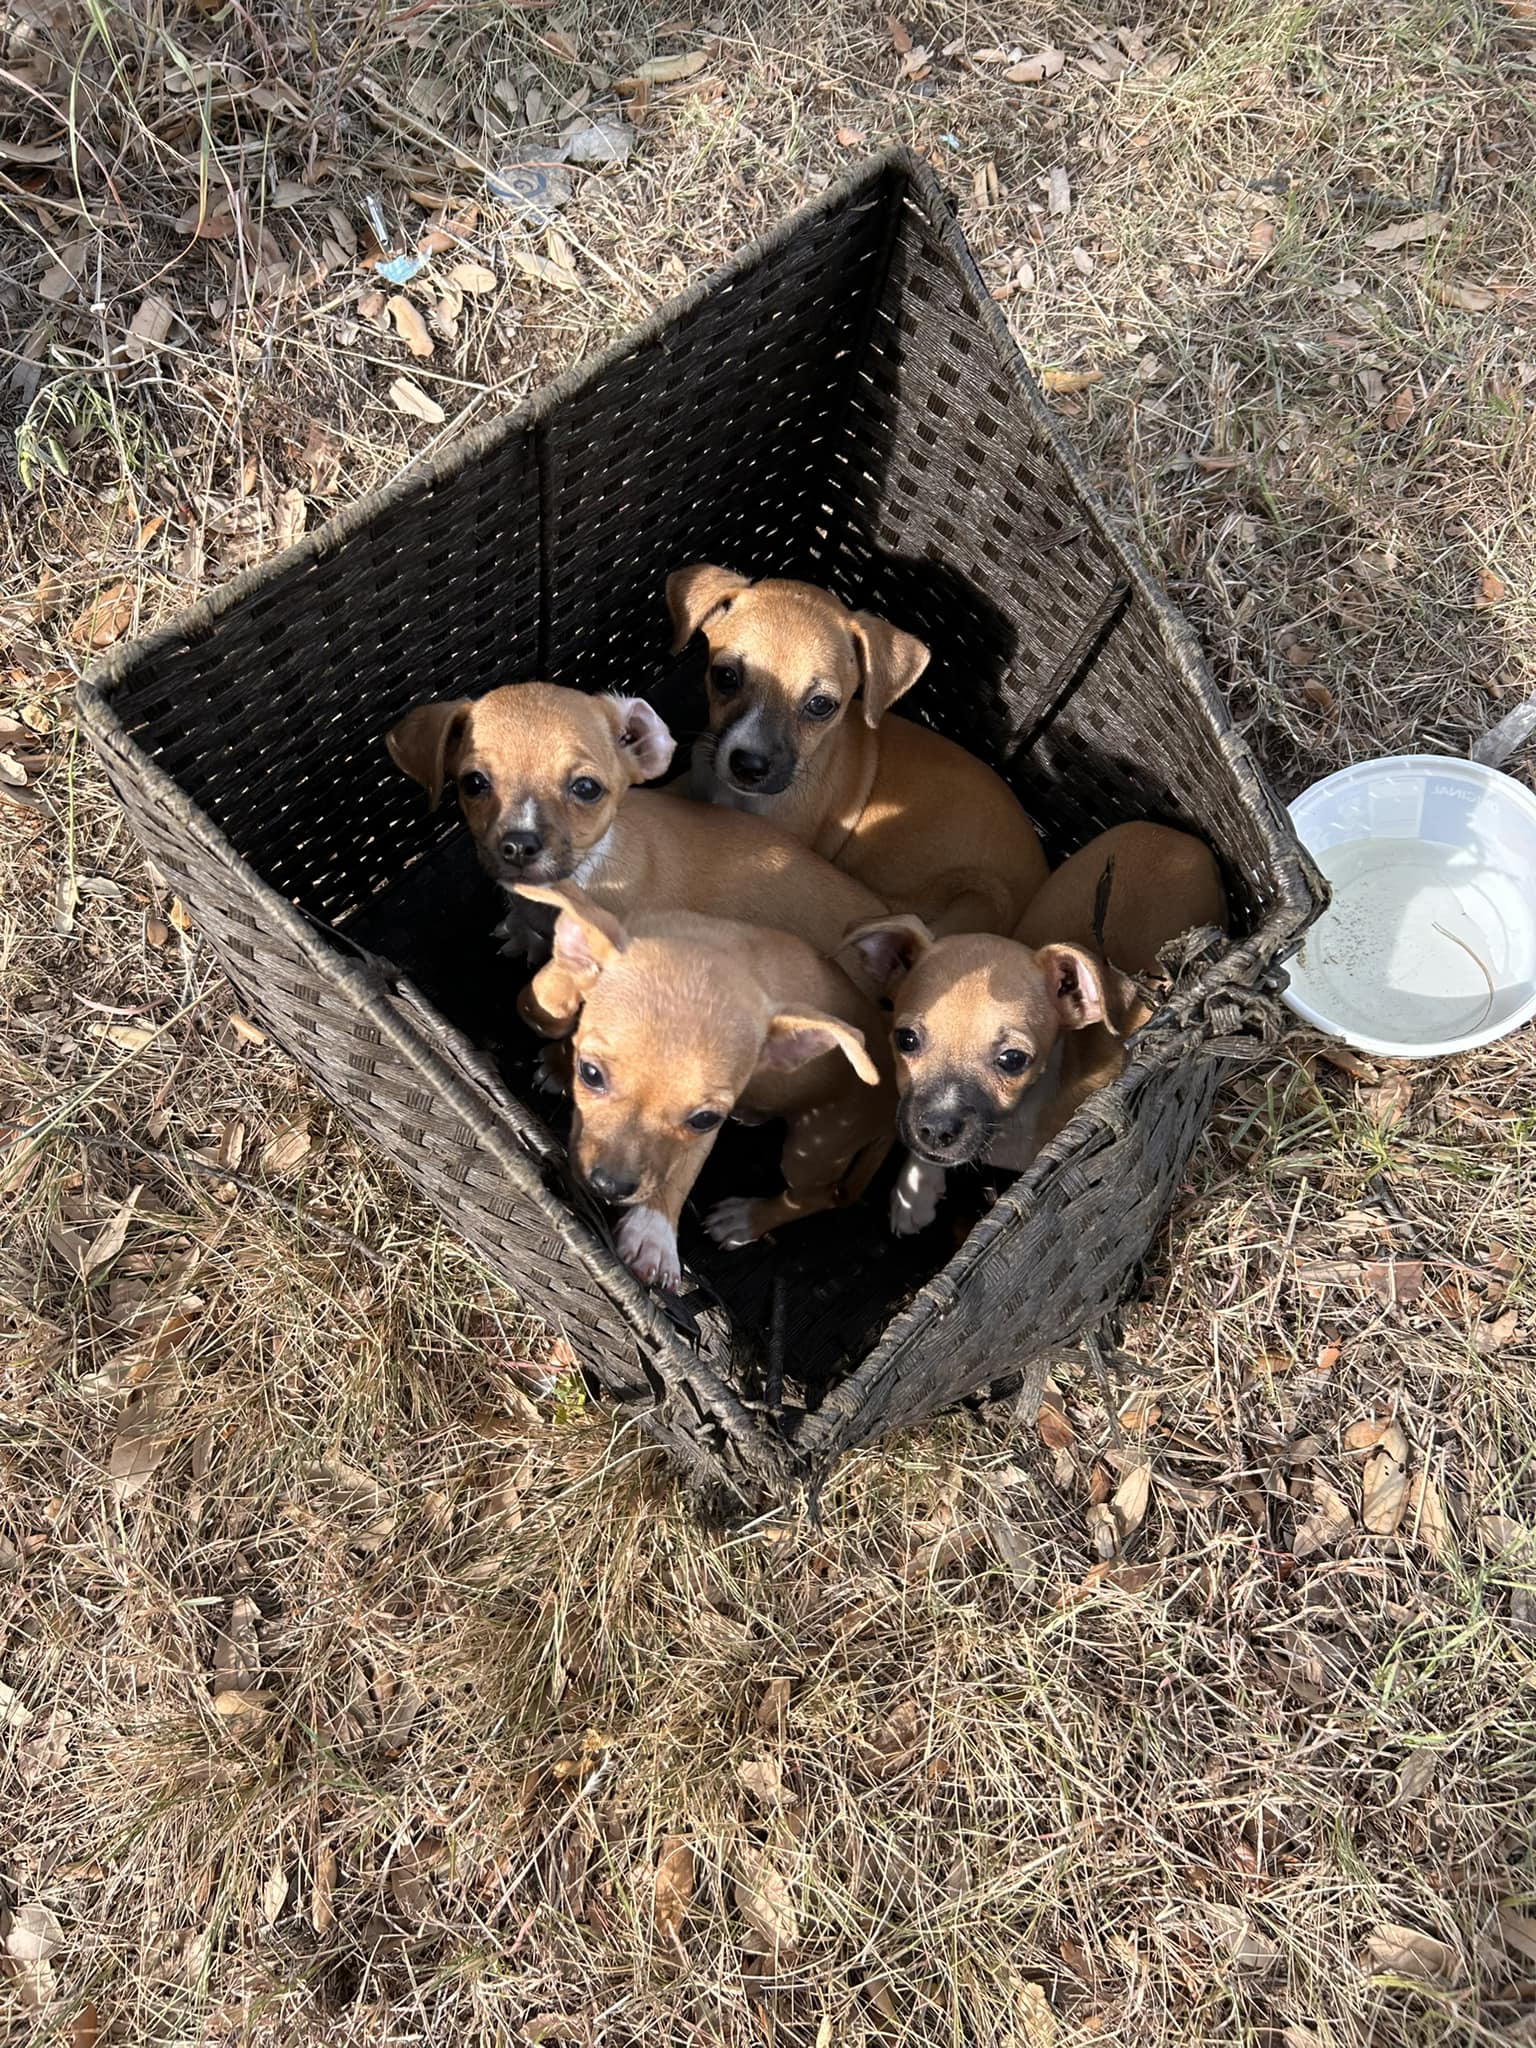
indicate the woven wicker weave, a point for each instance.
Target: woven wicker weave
{"x":842,"y":403}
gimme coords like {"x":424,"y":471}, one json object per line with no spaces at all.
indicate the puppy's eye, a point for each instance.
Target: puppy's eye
{"x":821,"y":706}
{"x":586,"y":789}
{"x":905,"y":1039}
{"x":591,"y":1077}
{"x":705,"y":1120}
{"x":474,"y":784}
{"x":1011,"y":1060}
{"x":725,"y":679}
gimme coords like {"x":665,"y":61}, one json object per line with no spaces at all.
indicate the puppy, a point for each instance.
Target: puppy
{"x":919,"y":820}
{"x":682,"y":1021}
{"x":545,"y":779}
{"x":1000,"y":1041}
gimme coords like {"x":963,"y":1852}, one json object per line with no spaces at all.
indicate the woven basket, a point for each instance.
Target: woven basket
{"x":842,"y":403}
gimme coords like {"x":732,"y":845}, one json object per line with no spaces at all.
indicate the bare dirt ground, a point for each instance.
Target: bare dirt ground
{"x":356,"y":1684}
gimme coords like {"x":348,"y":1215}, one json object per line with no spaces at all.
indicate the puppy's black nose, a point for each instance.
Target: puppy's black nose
{"x":608,"y":1186}
{"x":747,"y":766}
{"x":519,"y":847}
{"x":941,"y":1128}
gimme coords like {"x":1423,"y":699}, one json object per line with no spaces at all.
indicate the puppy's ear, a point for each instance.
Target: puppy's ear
{"x":891,"y":662}
{"x":697,"y":594}
{"x":587,"y":937}
{"x":795,"y":1036}
{"x":644,"y":741}
{"x":1082,"y":986}
{"x":425,"y":741}
{"x":879,"y":955}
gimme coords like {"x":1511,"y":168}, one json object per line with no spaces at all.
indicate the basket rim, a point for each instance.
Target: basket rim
{"x":1300,"y":891}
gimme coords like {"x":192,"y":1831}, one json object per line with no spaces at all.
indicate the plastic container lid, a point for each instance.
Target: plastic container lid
{"x":1429,"y":945}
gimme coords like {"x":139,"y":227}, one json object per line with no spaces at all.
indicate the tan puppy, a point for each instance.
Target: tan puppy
{"x":684,"y":1021}
{"x":545,"y":779}
{"x":919,"y":820}
{"x":999,"y":1041}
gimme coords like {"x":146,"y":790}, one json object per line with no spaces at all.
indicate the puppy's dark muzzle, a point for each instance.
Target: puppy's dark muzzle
{"x":609,"y":1186}
{"x":754,"y":774}
{"x":945,"y":1129}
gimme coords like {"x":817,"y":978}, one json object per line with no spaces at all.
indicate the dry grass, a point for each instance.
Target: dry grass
{"x":363,"y":1703}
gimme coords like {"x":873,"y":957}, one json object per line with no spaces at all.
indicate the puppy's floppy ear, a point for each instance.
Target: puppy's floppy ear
{"x":1083,"y":988}
{"x":587,"y":937}
{"x":890,"y":661}
{"x":425,"y":741}
{"x":880,"y":954}
{"x":795,"y":1036}
{"x":644,"y":740}
{"x":696,"y":594}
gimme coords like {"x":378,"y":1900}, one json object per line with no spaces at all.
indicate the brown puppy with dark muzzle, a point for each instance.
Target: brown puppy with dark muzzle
{"x":684,"y":1021}
{"x":800,"y":691}
{"x":999,"y":1041}
{"x":545,"y":779}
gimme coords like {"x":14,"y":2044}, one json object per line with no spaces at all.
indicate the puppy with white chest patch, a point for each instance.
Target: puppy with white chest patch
{"x":999,"y":1041}
{"x":683,"y":1021}
{"x":801,"y":731}
{"x":545,"y":778}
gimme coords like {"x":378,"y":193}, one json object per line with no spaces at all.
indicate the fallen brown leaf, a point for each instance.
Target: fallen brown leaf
{"x":1035,"y":70}
{"x":322,"y":1888}
{"x":288,"y":518}
{"x":1058,"y":192}
{"x":1129,"y":1499}
{"x":1318,"y":694}
{"x":1329,"y":1520}
{"x":1491,"y":1337}
{"x":1427,"y":1521}
{"x":1393,"y":1280}
{"x":144,"y":1435}
{"x":409,"y":397}
{"x":763,"y":1779}
{"x":773,"y":1708}
{"x":1491,"y":589}
{"x":1465,"y":298}
{"x":409,"y":325}
{"x":901,"y":39}
{"x":1402,"y":232}
{"x":763,"y":1898}
{"x":283,"y":1151}
{"x":1056,"y":1433}
{"x":1387,"y":1103}
{"x":668,"y":70}
{"x":1404,"y":1952}
{"x":1384,"y":1483}
{"x":472,"y":277}
{"x":106,"y":620}
{"x":673,"y":1887}
{"x":1070,"y":380}
{"x":849,"y":138}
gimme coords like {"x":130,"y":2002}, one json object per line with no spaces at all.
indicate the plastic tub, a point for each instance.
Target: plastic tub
{"x":1429,"y":945}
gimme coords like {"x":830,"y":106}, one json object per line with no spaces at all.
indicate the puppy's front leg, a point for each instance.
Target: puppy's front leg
{"x":647,"y":1236}
{"x":526,"y":931}
{"x":551,"y":1002}
{"x":916,"y":1196}
{"x":829,"y":1155}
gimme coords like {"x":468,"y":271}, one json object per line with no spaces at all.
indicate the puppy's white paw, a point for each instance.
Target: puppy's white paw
{"x":915,"y":1197}
{"x":730,"y":1223}
{"x":648,"y":1246}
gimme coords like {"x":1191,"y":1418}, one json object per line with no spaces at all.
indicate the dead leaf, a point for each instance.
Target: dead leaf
{"x":13,"y":1713}
{"x":86,"y":2028}
{"x":1103,"y":1531}
{"x":288,"y":518}
{"x":1416,"y":1775}
{"x":283,"y":1151}
{"x":409,"y":397}
{"x":34,"y":1935}
{"x":1329,"y":1520}
{"x":1130,"y":1497}
{"x":1318,"y":694}
{"x":1426,"y":1519}
{"x":1465,"y":298}
{"x":1384,"y":1483}
{"x":1299,"y":653}
{"x":274,"y":1894}
{"x":1404,"y":1952}
{"x":1070,"y":380}
{"x":901,"y":39}
{"x":773,"y":1708}
{"x":1491,"y":1337}
{"x":1058,"y":192}
{"x":1217,"y":465}
{"x":1519,"y":1932}
{"x":106,"y":620}
{"x":409,"y":325}
{"x":237,"y":1653}
{"x":984,"y":185}
{"x":1386,"y":1104}
{"x":557,"y":40}
{"x":149,"y":327}
{"x":1261,"y":238}
{"x":1393,"y":1280}
{"x":247,"y":1032}
{"x":546,"y":269}
{"x":668,"y":70}
{"x":1056,"y":1433}
{"x":1491,"y":589}
{"x":1162,"y":67}
{"x":110,"y":1239}
{"x":849,"y":138}
{"x":763,"y":1779}
{"x":1402,"y":232}
{"x":763,"y":1898}
{"x":673,"y":1887}
{"x":1035,"y":70}
{"x":472,"y":277}
{"x":322,"y":1914}
{"x":144,"y":1435}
